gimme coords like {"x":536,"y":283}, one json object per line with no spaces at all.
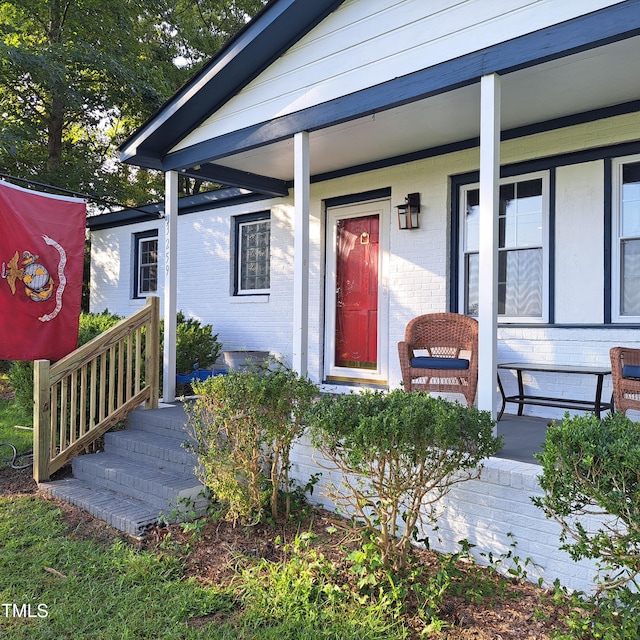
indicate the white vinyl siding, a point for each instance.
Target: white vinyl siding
{"x":366,"y":42}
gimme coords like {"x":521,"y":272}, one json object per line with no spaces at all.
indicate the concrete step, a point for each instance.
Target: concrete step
{"x":121,"y":512}
{"x":166,"y":491}
{"x":165,"y":452}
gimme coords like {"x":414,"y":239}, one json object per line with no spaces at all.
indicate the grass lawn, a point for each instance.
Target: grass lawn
{"x":78,"y":589}
{"x":21,"y":439}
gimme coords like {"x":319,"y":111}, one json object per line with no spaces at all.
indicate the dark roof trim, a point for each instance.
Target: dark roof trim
{"x":472,"y":143}
{"x":227,"y":197}
{"x":274,"y":30}
{"x":237,"y":178}
{"x":611,"y":24}
{"x":186,"y":205}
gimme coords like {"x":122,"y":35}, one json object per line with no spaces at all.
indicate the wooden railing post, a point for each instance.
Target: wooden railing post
{"x":41,"y":420}
{"x":152,"y":360}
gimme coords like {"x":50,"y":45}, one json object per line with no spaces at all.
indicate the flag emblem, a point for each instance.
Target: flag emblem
{"x":37,"y":282}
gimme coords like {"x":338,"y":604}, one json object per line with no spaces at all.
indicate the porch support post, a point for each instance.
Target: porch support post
{"x":488,"y":231}
{"x":170,"y":285}
{"x":301,"y":253}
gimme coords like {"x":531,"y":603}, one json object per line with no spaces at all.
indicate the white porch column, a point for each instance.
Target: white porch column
{"x":301,"y":253}
{"x":170,"y":285}
{"x":488,"y":259}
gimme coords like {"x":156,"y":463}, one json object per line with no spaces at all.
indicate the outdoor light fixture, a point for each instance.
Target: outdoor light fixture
{"x":409,"y":211}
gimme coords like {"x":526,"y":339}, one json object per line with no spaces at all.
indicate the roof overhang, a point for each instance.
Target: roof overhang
{"x":279,"y":25}
{"x":576,"y":71}
{"x":189,"y":204}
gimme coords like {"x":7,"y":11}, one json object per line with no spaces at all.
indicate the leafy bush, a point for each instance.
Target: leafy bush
{"x":591,"y":483}
{"x":195,"y":344}
{"x":93,"y":324}
{"x":398,"y":453}
{"x":243,"y":425}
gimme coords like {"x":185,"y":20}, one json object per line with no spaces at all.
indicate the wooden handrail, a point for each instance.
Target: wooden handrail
{"x":84,"y":394}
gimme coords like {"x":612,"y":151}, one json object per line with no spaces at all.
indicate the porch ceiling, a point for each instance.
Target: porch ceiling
{"x":587,"y":81}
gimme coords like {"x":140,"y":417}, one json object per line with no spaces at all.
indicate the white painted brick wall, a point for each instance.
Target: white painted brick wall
{"x":495,"y":513}
{"x":418,"y":266}
{"x":577,"y":346}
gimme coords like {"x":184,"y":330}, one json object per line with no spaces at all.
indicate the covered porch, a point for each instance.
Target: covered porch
{"x":486,"y":96}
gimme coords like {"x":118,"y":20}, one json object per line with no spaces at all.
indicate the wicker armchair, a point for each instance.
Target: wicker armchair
{"x":450,"y":359}
{"x":625,"y":377}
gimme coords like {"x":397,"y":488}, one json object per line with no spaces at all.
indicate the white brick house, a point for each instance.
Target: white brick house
{"x":517,"y":123}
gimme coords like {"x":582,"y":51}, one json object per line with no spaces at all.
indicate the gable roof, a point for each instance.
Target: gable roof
{"x":271,"y":32}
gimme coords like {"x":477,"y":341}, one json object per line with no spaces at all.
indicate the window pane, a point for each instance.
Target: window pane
{"x":148,"y":265}
{"x":631,"y":278}
{"x":631,"y":200}
{"x":255,"y":241}
{"x":472,"y":219}
{"x":521,"y":218}
{"x":472,"y":279}
{"x":520,"y":283}
{"x":520,"y":221}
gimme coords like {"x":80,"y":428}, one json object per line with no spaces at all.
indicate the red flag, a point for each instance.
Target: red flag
{"x":42,"y":257}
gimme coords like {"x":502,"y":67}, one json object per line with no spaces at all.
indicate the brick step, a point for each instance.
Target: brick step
{"x":167,"y":420}
{"x":166,"y":491}
{"x":144,"y":475}
{"x":165,"y":452}
{"x":121,"y":512}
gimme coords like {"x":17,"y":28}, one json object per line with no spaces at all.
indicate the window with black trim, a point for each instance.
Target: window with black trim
{"x":626,"y":237}
{"x":522,"y":248}
{"x":252,"y":255}
{"x":146,"y":264}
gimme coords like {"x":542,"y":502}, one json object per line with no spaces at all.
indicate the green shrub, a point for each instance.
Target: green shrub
{"x":20,"y":378}
{"x":93,"y":324}
{"x":398,"y":453}
{"x":243,"y":425}
{"x":196,"y":344}
{"x":591,"y":483}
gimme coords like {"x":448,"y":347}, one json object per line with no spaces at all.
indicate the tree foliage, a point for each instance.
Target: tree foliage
{"x":77,"y":76}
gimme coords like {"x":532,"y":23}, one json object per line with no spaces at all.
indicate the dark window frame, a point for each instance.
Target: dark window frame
{"x":236,"y":246}
{"x":137,"y":266}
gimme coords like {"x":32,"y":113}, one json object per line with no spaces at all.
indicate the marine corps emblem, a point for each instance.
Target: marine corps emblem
{"x":38,"y":284}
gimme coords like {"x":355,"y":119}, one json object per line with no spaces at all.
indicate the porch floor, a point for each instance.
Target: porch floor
{"x":523,"y":436}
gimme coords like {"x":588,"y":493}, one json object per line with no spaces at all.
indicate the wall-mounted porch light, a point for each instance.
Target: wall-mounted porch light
{"x":409,"y":211}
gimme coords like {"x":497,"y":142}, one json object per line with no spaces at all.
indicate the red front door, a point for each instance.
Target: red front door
{"x":356,"y":336}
